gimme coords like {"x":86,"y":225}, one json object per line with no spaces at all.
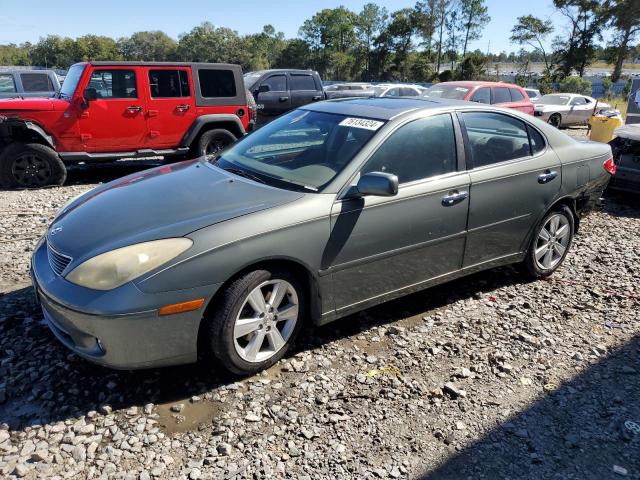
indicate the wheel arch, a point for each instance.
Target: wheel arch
{"x":209,"y":122}
{"x":302,"y":271}
{"x":26,"y":131}
{"x":566,"y":201}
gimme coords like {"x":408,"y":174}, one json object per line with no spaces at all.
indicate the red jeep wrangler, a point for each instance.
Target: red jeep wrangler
{"x":113,"y":110}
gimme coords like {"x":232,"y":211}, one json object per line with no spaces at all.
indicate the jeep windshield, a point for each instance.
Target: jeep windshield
{"x":71,"y":81}
{"x":303,"y":150}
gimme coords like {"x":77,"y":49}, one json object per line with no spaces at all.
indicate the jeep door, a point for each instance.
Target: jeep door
{"x":514,"y":178}
{"x":115,"y":121}
{"x":170,"y":106}
{"x":272,"y":97}
{"x":303,"y":89}
{"x":381,"y":245}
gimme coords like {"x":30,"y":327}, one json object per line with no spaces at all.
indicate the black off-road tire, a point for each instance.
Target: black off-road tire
{"x":530,"y":266}
{"x":217,"y":340}
{"x":214,"y":141}
{"x":30,"y":165}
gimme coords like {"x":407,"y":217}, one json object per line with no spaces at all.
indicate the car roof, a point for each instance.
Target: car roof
{"x":271,"y":70}
{"x":480,"y":83}
{"x":154,"y":64}
{"x":381,"y":108}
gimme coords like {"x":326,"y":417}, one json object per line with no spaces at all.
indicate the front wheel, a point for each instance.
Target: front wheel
{"x":256,"y":321}
{"x":30,"y":165}
{"x":555,"y":120}
{"x":214,"y":141}
{"x":550,"y":243}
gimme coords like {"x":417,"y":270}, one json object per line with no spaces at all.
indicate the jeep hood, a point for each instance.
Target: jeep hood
{"x":31,"y":104}
{"x":164,"y":202}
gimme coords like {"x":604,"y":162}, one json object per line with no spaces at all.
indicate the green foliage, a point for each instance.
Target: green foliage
{"x":473,"y":67}
{"x":545,"y":85}
{"x":445,"y":76}
{"x":606,"y":84}
{"x":532,"y":31}
{"x":148,"y":46}
{"x":575,"y":85}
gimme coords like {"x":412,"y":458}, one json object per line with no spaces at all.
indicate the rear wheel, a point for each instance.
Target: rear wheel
{"x":30,"y":165}
{"x":213,"y":141}
{"x":555,"y":120}
{"x":256,"y":320}
{"x":550,"y":243}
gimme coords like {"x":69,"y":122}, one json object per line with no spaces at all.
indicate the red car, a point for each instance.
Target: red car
{"x":111,"y":110}
{"x":506,"y":95}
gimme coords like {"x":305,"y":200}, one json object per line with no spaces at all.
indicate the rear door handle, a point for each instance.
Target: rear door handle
{"x":547,"y":176}
{"x":453,"y":198}
{"x":134,"y":109}
{"x":283,"y":99}
{"x":183,"y":108}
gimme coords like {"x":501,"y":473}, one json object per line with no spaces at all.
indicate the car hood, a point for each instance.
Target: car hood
{"x":31,"y":104}
{"x":164,"y":202}
{"x":543,"y":107}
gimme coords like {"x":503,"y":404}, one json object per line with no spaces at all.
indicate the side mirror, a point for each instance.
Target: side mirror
{"x":379,"y":184}
{"x":90,"y":94}
{"x":264,"y":89}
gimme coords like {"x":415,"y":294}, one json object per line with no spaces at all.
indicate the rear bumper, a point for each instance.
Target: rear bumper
{"x":103,"y":331}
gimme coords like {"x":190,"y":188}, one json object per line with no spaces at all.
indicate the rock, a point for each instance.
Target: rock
{"x":148,"y":409}
{"x":79,"y":453}
{"x":178,"y":407}
{"x":620,"y":470}
{"x":252,"y":417}
{"x":453,"y":390}
{"x":194,"y":474}
{"x":224,"y":449}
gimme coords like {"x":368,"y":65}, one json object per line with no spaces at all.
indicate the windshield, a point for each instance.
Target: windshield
{"x":303,"y":150}
{"x":250,"y":79}
{"x":442,"y":90}
{"x":71,"y":81}
{"x":554,"y":100}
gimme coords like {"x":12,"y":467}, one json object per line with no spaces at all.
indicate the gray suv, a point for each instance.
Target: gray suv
{"x":28,"y":83}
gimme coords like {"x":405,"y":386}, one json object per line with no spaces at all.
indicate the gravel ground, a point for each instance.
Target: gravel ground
{"x":487,"y":377}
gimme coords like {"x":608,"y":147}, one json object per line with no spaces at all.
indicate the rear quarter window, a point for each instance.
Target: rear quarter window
{"x":36,"y":82}
{"x":516,"y":95}
{"x":501,"y":95}
{"x":217,"y":83}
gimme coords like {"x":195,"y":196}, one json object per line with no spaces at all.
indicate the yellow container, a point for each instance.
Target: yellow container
{"x":602,"y":128}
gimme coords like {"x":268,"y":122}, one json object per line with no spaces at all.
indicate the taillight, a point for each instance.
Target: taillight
{"x":610,"y":166}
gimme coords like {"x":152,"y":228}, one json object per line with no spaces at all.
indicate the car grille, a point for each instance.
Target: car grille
{"x":57,"y":260}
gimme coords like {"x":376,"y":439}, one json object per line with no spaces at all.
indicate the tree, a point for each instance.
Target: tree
{"x":625,"y":20}
{"x":453,"y":24}
{"x":148,"y":46}
{"x":401,"y":30}
{"x":54,"y":51}
{"x":576,"y":85}
{"x":587,"y":18}
{"x":442,"y":10}
{"x":474,"y":17}
{"x":425,"y":17}
{"x":370,"y":22}
{"x":532,"y":31}
{"x":206,"y":43}
{"x":96,"y":47}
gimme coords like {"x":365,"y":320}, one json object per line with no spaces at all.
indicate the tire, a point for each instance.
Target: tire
{"x":544,"y":257}
{"x":555,"y":120}
{"x":214,"y":141}
{"x":30,"y":165}
{"x":244,"y":348}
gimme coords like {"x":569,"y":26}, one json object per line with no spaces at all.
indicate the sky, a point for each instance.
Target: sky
{"x":118,"y":18}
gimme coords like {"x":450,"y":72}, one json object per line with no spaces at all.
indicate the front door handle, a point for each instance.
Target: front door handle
{"x":183,"y":108}
{"x":453,"y":198}
{"x":547,"y":176}
{"x":283,"y":99}
{"x":316,"y":98}
{"x":134,"y":109}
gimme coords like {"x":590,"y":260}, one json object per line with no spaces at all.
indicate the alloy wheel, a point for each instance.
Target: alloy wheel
{"x":215,"y":146}
{"x":552,"y":242}
{"x":266,"y":320}
{"x":554,"y":120}
{"x":29,"y":170}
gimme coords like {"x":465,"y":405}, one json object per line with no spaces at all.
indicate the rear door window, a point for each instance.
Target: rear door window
{"x":482,"y":95}
{"x":114,"y":84}
{"x":302,"y":82}
{"x":537,"y":142}
{"x":169,"y":83}
{"x":277,"y":83}
{"x":495,"y":137}
{"x":500,"y":95}
{"x":217,"y":83}
{"x":36,"y":82}
{"x":516,"y":96}
{"x":7,"y":84}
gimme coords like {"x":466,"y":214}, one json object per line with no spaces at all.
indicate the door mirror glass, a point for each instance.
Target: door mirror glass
{"x":90,"y":94}
{"x":380,"y":184}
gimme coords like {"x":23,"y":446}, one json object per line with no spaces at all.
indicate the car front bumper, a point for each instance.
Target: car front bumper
{"x":119,"y":328}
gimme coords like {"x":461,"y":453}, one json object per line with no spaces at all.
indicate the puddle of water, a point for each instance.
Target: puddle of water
{"x":190,"y":418}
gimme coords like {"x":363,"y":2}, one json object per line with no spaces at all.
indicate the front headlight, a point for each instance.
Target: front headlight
{"x":117,"y":267}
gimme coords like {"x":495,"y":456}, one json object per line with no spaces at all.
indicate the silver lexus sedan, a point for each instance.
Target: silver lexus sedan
{"x":330,"y":209}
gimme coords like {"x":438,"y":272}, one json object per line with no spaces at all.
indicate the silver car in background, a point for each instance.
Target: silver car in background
{"x":565,"y":109}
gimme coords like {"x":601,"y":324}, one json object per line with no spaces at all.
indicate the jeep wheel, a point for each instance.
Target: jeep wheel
{"x":30,"y":165}
{"x":214,"y":141}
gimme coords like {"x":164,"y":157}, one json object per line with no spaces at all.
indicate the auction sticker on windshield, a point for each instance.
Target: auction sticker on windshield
{"x":361,"y":123}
